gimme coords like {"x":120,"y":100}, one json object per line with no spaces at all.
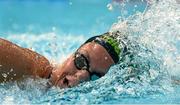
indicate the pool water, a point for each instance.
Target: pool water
{"x":57,"y":28}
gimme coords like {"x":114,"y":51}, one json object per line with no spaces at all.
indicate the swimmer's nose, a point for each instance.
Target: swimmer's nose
{"x":67,"y":81}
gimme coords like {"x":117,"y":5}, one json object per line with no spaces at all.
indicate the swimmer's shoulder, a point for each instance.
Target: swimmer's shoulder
{"x":41,"y":65}
{"x":35,"y":62}
{"x":4,"y":42}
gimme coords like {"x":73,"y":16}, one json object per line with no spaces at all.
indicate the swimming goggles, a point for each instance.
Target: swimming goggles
{"x":82,"y":63}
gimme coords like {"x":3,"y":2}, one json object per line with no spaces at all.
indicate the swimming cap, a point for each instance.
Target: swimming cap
{"x":110,"y":43}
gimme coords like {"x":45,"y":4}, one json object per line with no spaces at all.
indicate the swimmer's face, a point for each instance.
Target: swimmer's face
{"x":68,"y":75}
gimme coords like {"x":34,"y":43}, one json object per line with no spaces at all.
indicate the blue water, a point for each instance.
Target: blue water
{"x":56,"y":28}
{"x":66,"y":16}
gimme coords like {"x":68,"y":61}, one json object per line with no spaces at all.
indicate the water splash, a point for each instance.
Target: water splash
{"x":53,"y":46}
{"x":157,"y":30}
{"x":151,"y":37}
{"x":154,"y":40}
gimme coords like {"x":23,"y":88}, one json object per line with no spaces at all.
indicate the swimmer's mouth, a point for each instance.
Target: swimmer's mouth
{"x":51,"y":83}
{"x":62,"y":83}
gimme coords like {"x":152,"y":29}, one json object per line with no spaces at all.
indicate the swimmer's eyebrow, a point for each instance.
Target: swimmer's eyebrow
{"x":88,"y":57}
{"x":86,"y":54}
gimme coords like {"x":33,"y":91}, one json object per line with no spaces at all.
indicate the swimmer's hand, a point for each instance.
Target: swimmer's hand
{"x":16,"y":62}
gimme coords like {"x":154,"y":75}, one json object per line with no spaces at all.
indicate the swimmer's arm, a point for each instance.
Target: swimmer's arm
{"x":16,"y":62}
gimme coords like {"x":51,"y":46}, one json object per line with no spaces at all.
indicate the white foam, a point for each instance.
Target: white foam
{"x":55,"y":47}
{"x":158,"y":30}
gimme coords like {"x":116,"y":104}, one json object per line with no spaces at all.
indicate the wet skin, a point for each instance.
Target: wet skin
{"x":25,"y":62}
{"x":67,"y":75}
{"x":22,"y":62}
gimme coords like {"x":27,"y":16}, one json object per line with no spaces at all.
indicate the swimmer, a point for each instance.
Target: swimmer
{"x":91,"y":60}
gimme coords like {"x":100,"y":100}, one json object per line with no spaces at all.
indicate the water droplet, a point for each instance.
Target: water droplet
{"x":37,"y":57}
{"x":53,"y":28}
{"x":130,"y":91}
{"x":135,"y":6}
{"x":70,"y":3}
{"x":94,"y":92}
{"x":119,"y":89}
{"x":11,"y":70}
{"x":4,"y":75}
{"x":110,"y":7}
